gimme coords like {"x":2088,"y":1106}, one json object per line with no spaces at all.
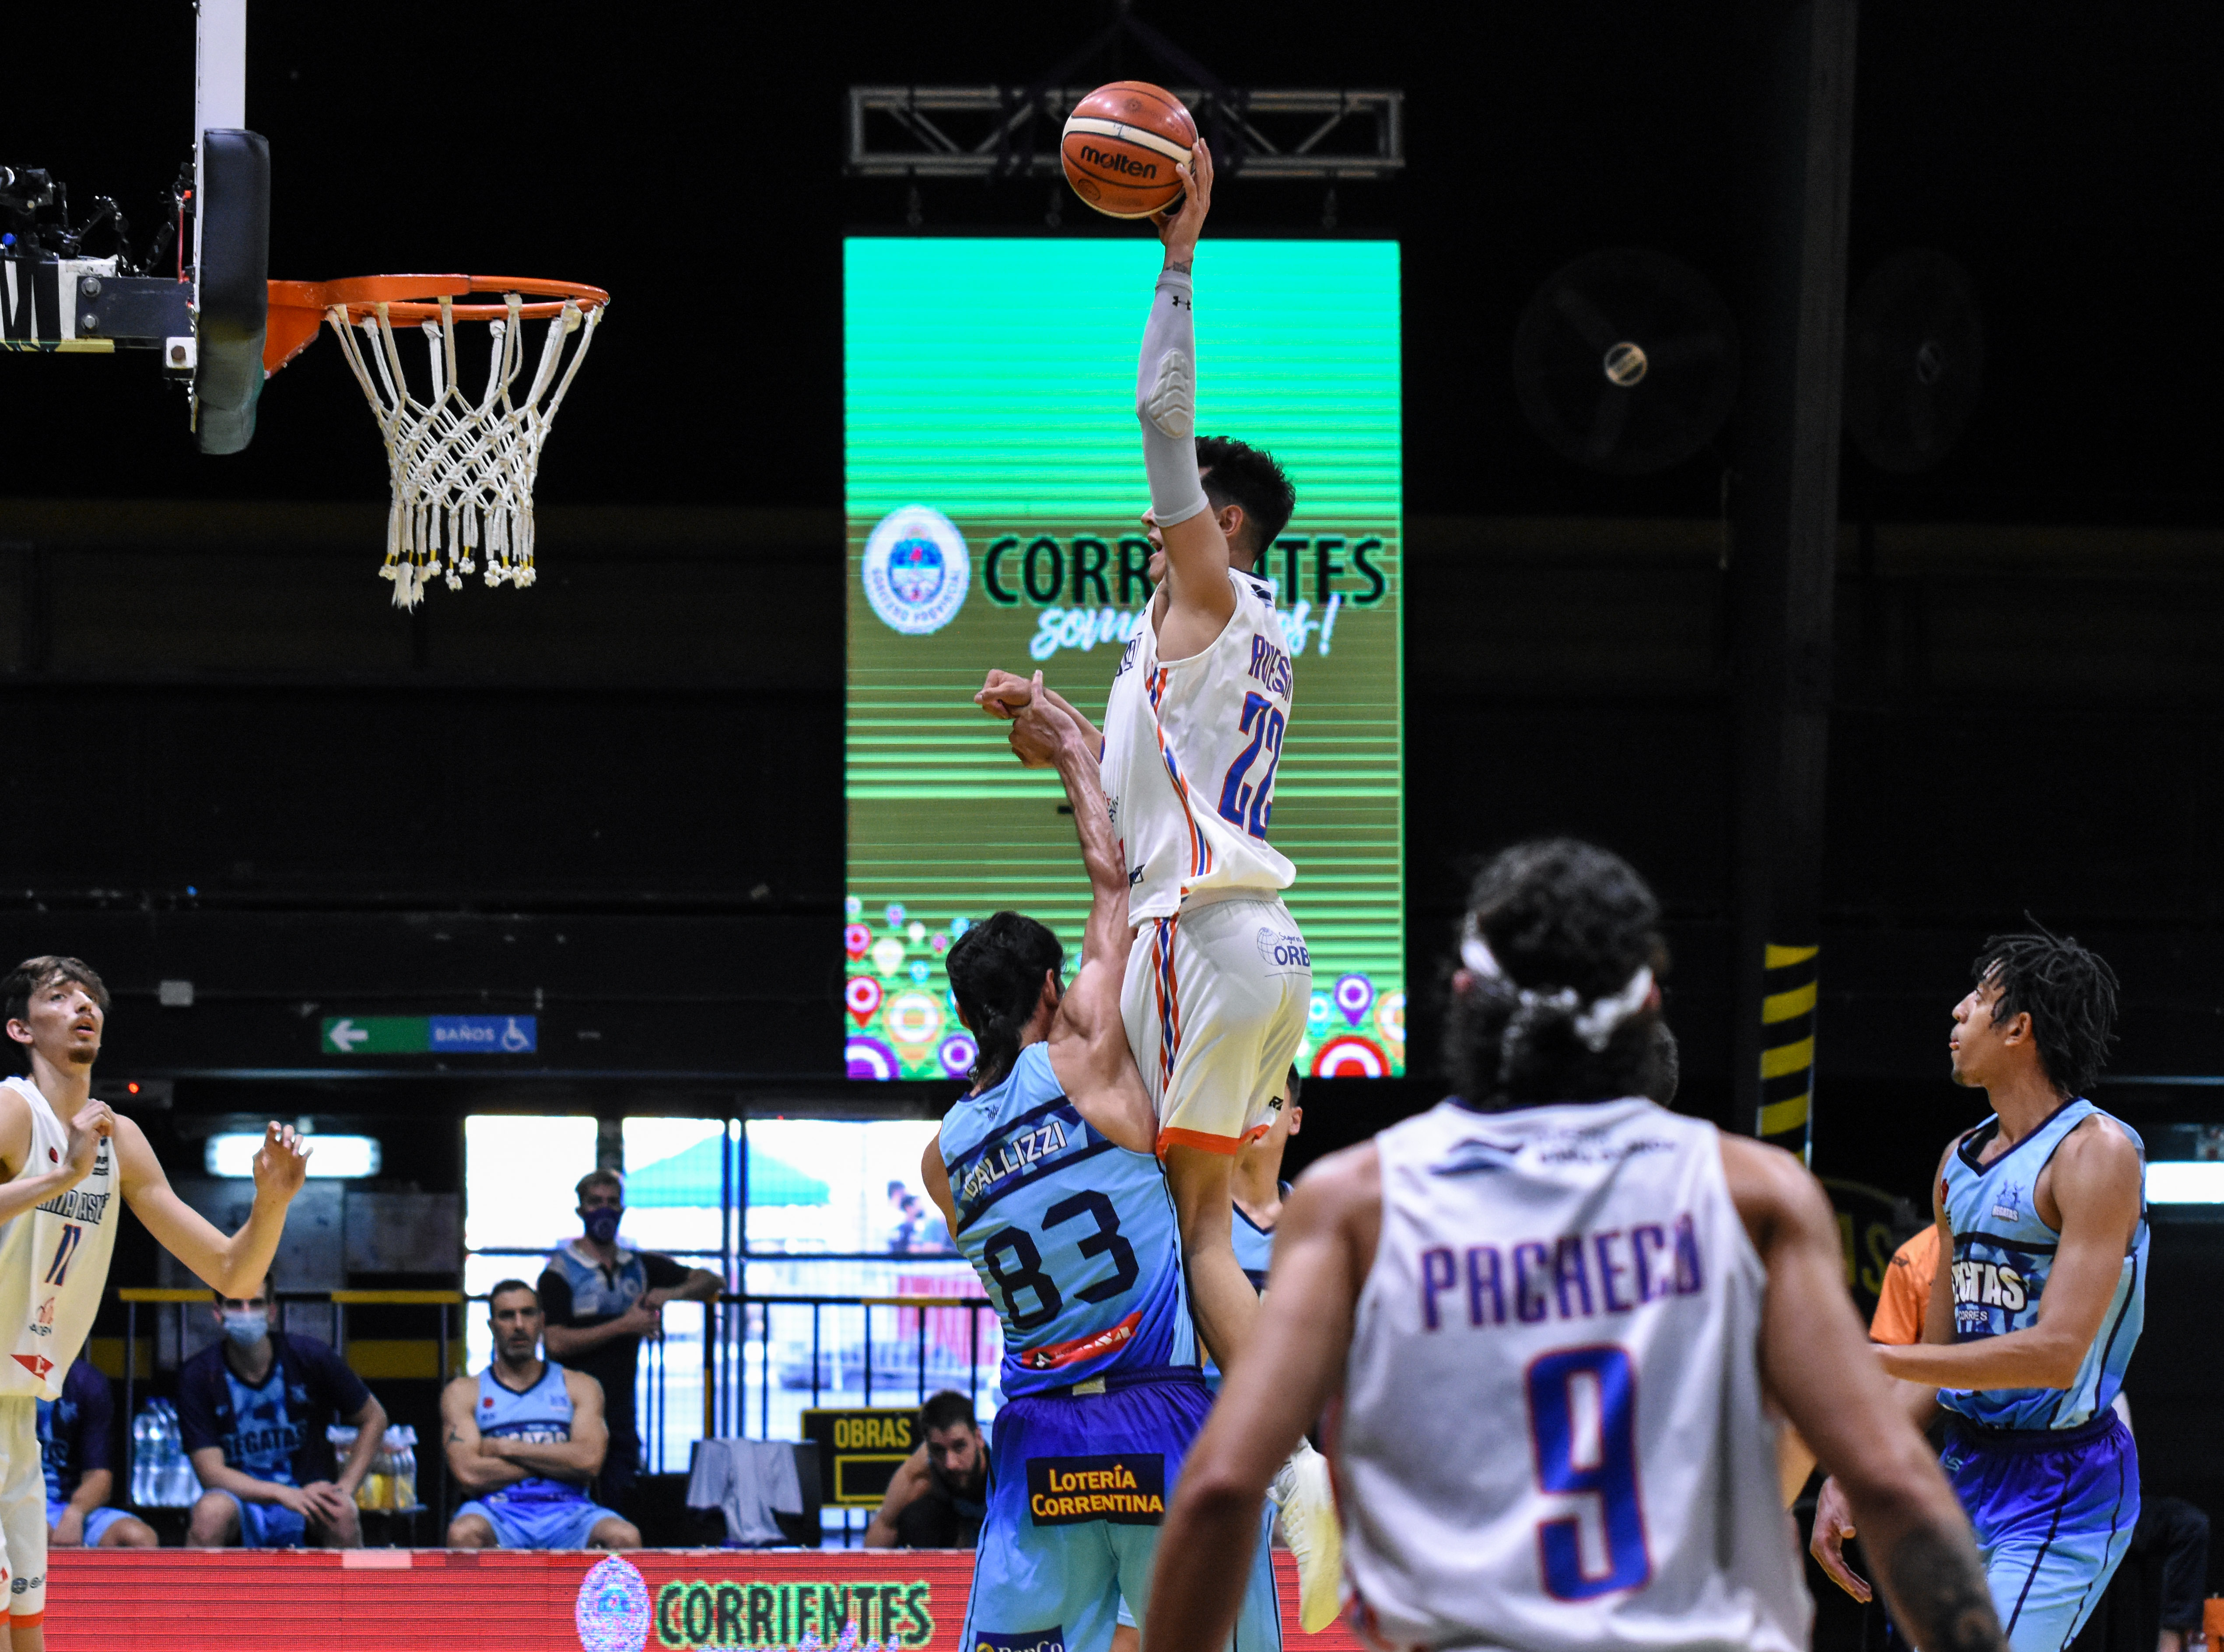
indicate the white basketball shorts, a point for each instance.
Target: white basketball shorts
{"x":1215,"y":1000}
{"x":22,"y":1510}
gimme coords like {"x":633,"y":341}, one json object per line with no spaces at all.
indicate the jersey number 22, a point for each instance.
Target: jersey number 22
{"x":1246,"y":802}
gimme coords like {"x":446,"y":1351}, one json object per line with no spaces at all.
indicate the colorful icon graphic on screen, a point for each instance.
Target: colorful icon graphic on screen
{"x":1353,"y":995}
{"x":869,"y":1058}
{"x":887,"y":955}
{"x":860,"y":996}
{"x":957,"y":1054}
{"x":913,"y":1020}
{"x":1348,"y":1056}
{"x":1317,"y":1012}
{"x":1390,"y":1018}
{"x":894,"y":914}
{"x":915,"y":570}
{"x":857,"y":939}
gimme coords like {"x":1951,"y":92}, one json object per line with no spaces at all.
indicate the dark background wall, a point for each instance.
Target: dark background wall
{"x":615,"y":800}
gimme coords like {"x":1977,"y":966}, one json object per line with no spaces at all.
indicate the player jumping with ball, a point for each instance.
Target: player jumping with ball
{"x":1216,"y":987}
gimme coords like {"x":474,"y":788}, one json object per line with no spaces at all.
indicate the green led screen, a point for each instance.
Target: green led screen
{"x":994,"y":476}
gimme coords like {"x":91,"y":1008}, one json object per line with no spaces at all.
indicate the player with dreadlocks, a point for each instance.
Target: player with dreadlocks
{"x":2042,"y":1207}
{"x":1552,"y":1325}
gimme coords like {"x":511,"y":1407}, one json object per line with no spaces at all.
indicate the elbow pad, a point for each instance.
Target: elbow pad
{"x":1166,"y":402}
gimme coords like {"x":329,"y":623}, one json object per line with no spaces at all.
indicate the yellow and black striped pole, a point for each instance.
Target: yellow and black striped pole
{"x":1790,"y":978}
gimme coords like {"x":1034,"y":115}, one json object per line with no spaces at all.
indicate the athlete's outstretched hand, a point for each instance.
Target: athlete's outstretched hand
{"x":281,"y":1164}
{"x":1180,"y":225}
{"x":86,"y":1131}
{"x":1834,"y":1523}
{"x":1003,"y":694}
{"x":1040,"y":729}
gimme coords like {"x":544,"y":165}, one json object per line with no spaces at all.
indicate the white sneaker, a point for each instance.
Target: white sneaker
{"x":1309,"y":1528}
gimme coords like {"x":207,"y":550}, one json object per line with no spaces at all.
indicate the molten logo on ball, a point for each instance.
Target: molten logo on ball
{"x":1116,"y":161}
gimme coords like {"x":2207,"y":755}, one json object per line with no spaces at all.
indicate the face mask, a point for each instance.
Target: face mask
{"x":246,"y":1329}
{"x":603,"y":1223}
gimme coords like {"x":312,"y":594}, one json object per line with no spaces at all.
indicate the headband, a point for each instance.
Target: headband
{"x":1595,"y":1025}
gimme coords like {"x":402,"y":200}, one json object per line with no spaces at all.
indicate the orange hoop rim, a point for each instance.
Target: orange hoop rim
{"x":415,"y":297}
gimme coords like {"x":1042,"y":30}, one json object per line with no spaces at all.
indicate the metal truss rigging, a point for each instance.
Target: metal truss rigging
{"x":1012,"y":131}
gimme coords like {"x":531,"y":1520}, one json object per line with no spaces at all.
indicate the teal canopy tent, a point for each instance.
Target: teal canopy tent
{"x":691,"y":1180}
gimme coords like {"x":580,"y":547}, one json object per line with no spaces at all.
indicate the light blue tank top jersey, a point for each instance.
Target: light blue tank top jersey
{"x":1074,"y":1237}
{"x":2002,"y":1253}
{"x":542,"y":1413}
{"x":1254,"y":1245}
{"x":1254,"y":1254}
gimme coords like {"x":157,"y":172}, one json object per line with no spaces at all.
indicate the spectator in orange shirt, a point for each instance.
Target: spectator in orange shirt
{"x":1906,"y":1293}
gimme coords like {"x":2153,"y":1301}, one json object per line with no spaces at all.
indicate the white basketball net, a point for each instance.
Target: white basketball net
{"x":463,"y":470}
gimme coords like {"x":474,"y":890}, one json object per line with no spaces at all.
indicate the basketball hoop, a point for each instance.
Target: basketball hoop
{"x":462,"y":469}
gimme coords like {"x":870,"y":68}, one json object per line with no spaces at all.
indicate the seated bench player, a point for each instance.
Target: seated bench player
{"x":524,"y":1438}
{"x":253,"y":1413}
{"x":75,"y":1440}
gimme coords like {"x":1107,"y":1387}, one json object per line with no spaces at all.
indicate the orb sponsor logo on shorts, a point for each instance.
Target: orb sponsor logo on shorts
{"x":1125,"y":1488}
{"x":1283,"y":953}
{"x":1034,"y":1640}
{"x":915,"y":570}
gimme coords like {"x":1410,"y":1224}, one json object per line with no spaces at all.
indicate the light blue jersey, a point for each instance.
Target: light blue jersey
{"x":1077,"y":1244}
{"x":1254,"y":1254}
{"x":2002,"y":1253}
{"x":1074,"y":1237}
{"x":536,"y":1512}
{"x":541,"y":1414}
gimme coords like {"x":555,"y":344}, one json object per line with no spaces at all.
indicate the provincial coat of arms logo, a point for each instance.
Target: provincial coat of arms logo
{"x":612,"y":1613}
{"x":915,"y":570}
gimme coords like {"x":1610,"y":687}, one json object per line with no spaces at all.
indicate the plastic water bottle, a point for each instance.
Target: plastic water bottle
{"x":405,"y":1465}
{"x":143,"y":1457}
{"x":180,"y":1486}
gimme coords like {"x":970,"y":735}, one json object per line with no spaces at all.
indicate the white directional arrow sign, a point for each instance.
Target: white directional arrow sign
{"x":345,"y":1036}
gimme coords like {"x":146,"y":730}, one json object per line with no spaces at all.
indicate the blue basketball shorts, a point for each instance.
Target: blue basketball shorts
{"x":97,"y":1521}
{"x":2054,"y":1511}
{"x":1078,"y":1489}
{"x":566,"y":1523}
{"x":265,"y":1525}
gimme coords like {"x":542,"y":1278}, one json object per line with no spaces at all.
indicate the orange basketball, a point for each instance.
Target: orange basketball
{"x":1120,"y":145}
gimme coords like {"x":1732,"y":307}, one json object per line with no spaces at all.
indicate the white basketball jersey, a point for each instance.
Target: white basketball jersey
{"x":1190,"y":747}
{"x":53,"y":1260}
{"x":1552,"y":1437}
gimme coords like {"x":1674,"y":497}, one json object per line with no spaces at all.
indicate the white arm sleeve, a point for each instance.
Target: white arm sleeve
{"x":1166,"y":402}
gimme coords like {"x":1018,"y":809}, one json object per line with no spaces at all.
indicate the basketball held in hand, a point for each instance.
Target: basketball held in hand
{"x":1121,"y":144}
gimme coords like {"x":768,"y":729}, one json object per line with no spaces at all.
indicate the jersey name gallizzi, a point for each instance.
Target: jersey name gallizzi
{"x":1553,"y":1435}
{"x":53,"y":1259}
{"x":1190,"y":747}
{"x":1074,"y":1237}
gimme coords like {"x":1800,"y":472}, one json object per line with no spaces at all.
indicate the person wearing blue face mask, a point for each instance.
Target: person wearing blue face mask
{"x":253,"y":1411}
{"x":602,"y":1298}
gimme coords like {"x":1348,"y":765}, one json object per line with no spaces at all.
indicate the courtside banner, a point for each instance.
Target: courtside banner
{"x":414,"y":1600}
{"x":994,"y":472}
